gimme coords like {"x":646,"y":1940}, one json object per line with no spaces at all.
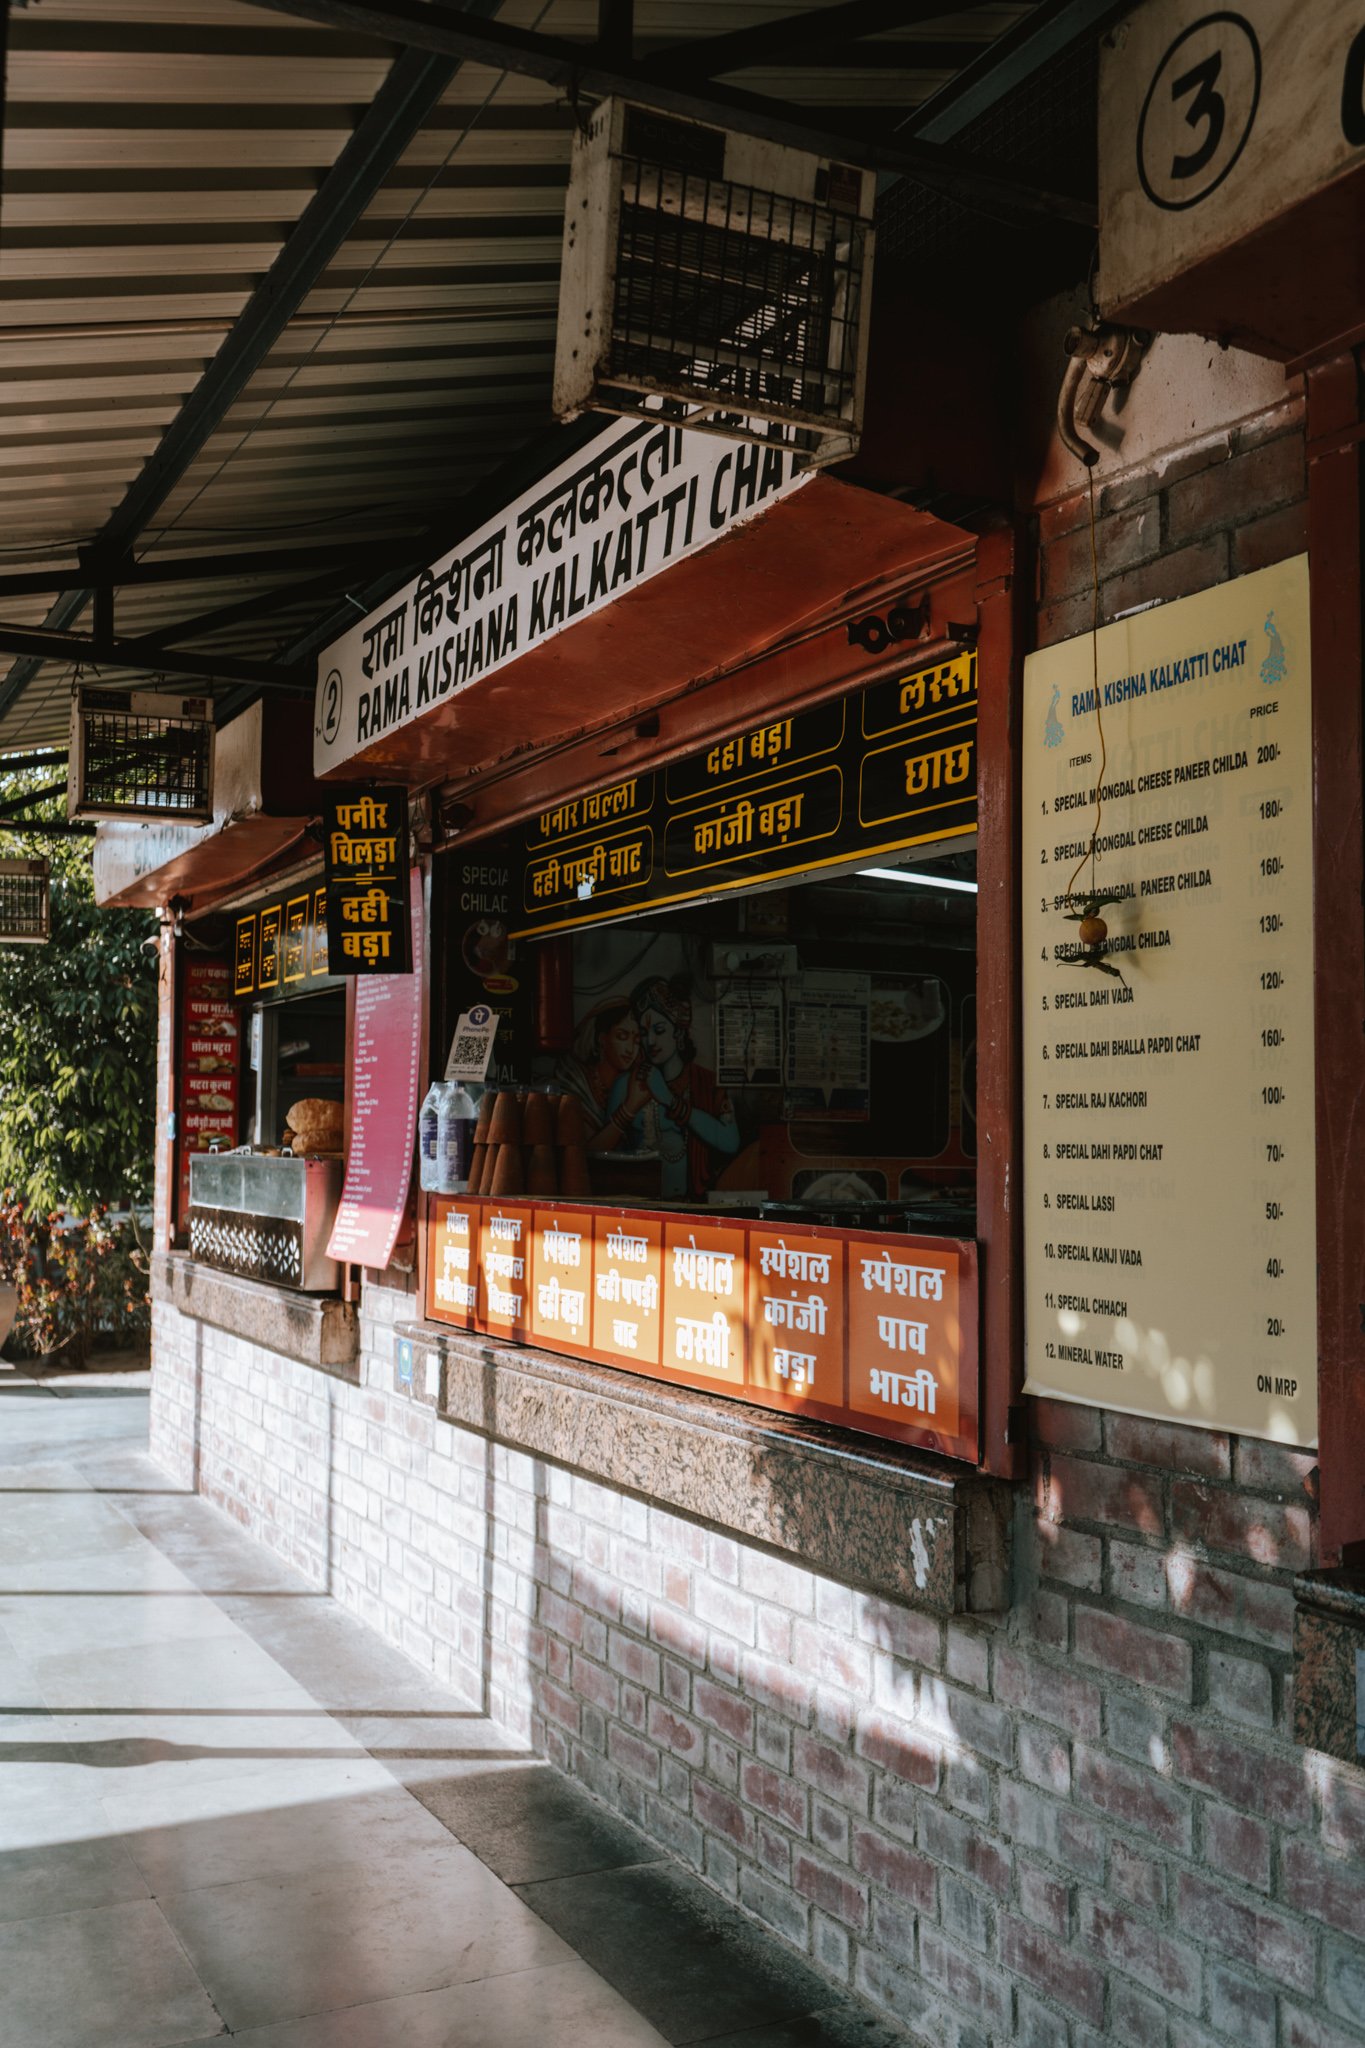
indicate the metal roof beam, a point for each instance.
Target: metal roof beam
{"x":412,"y":89}
{"x":584,"y":67}
{"x":4,"y":82}
{"x":1011,"y":62}
{"x":518,"y":473}
{"x":165,"y":640}
{"x":15,"y":805}
{"x":46,"y":643}
{"x":44,"y":828}
{"x":192,"y":568}
{"x":793,"y":39}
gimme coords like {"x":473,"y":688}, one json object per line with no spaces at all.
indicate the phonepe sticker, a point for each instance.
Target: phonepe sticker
{"x":471,"y":1048}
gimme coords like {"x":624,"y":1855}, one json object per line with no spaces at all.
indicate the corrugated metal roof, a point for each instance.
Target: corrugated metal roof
{"x":157,"y":156}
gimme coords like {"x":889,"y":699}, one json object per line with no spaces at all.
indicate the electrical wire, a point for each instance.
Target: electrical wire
{"x":1091,"y":853}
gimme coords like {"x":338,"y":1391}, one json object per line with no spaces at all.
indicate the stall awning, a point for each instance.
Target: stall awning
{"x":264,"y":796}
{"x":615,"y":586}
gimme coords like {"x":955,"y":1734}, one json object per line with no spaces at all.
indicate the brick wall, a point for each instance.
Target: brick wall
{"x":1232,"y":502}
{"x":1082,"y":1822}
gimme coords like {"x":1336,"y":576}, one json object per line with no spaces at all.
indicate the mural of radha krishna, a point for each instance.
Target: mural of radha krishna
{"x":666,"y":1103}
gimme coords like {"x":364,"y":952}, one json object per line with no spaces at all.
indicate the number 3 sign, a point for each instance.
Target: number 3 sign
{"x":1199,"y":111}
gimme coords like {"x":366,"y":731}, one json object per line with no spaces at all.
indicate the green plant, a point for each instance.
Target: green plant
{"x":81,"y":1281}
{"x":77,"y":1040}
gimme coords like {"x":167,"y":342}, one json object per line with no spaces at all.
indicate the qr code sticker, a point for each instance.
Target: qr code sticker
{"x":469,"y":1051}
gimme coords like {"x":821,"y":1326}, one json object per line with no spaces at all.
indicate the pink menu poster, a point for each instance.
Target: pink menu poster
{"x":385,"y":1088}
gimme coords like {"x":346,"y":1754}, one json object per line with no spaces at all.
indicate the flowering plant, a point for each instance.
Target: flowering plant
{"x":81,"y":1280}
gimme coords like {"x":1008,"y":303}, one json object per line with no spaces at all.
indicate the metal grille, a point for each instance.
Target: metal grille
{"x":736,"y":295}
{"x":251,"y":1247}
{"x":1043,"y":131}
{"x":25,"y":902}
{"x":139,"y":763}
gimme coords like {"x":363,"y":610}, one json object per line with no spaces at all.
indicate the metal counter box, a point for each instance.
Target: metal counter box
{"x":264,"y":1218}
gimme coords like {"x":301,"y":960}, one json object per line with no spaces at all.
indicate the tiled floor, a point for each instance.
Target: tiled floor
{"x":227,"y":1810}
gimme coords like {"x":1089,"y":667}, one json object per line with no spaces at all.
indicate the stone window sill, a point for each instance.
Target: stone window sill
{"x":879,"y":1518}
{"x":317,"y":1329}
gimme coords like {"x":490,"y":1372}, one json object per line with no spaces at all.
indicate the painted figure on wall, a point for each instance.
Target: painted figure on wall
{"x":606,"y":1045}
{"x":667,"y":1103}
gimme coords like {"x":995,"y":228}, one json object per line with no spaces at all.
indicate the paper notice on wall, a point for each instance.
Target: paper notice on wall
{"x":749,"y":1033}
{"x":829,"y":1048}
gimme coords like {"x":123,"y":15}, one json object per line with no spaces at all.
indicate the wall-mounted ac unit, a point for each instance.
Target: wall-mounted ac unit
{"x":141,"y":755}
{"x":716,"y":280}
{"x":25,"y":902}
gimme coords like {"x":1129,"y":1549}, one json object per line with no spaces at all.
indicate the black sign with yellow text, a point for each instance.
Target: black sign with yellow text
{"x":890,"y":767}
{"x":280,"y":945}
{"x":365,"y":856}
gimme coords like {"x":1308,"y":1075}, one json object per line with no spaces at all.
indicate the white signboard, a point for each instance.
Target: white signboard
{"x":1214,"y":121}
{"x":641,"y":497}
{"x":1169,"y":1191}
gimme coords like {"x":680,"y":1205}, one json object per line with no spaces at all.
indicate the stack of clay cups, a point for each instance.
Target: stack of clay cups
{"x":479,"y":1162}
{"x":527,"y":1142}
{"x":505,"y":1155}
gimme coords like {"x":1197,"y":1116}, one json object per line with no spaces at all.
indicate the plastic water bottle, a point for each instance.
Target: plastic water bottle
{"x":455,"y":1138}
{"x":428,"y":1133}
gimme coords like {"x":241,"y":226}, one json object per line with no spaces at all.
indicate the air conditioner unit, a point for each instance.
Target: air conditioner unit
{"x":140,"y":755}
{"x":25,"y":902}
{"x":717,"y":280}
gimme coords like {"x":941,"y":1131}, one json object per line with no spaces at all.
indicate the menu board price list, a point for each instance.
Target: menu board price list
{"x":1169,"y":1197}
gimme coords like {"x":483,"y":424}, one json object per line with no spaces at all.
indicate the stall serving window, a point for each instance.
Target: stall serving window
{"x":262,"y":1089}
{"x":732,"y":1136}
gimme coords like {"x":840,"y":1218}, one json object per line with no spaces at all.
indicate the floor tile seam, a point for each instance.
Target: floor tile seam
{"x":335,"y":1869}
{"x":392,"y":1998}
{"x":189,"y":1960}
{"x":531,"y":1884}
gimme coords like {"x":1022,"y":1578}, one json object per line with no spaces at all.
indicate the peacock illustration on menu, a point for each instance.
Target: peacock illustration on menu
{"x":1053,"y":730}
{"x":1275,"y":666}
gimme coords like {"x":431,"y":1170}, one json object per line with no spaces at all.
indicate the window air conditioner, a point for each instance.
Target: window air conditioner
{"x":140,"y":755}
{"x":25,"y":901}
{"x":716,"y":280}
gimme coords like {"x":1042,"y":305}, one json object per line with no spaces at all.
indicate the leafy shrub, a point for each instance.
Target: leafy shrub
{"x":78,"y":1022}
{"x":81,"y":1281}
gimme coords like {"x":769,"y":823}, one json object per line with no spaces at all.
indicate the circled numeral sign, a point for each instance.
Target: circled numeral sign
{"x":1199,"y":111}
{"x":331,"y":706}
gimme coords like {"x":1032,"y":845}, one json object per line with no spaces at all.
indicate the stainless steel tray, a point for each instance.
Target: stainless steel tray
{"x":264,"y":1218}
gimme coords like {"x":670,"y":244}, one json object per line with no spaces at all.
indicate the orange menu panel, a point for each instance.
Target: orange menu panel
{"x":875,"y":1333}
{"x":561,"y":1279}
{"x":505,"y":1269}
{"x":628,"y":1289}
{"x":904,"y":1334}
{"x":453,"y":1262}
{"x":796,"y":1316}
{"x":704,"y":1305}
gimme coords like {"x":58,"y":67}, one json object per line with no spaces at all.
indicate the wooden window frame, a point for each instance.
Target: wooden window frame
{"x":1336,"y":435}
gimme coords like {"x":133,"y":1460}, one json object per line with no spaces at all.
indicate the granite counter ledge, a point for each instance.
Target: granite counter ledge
{"x":315,"y":1329}
{"x":873,"y":1516}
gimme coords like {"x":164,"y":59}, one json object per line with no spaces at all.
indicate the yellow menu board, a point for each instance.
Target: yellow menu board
{"x":1169,"y":1192}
